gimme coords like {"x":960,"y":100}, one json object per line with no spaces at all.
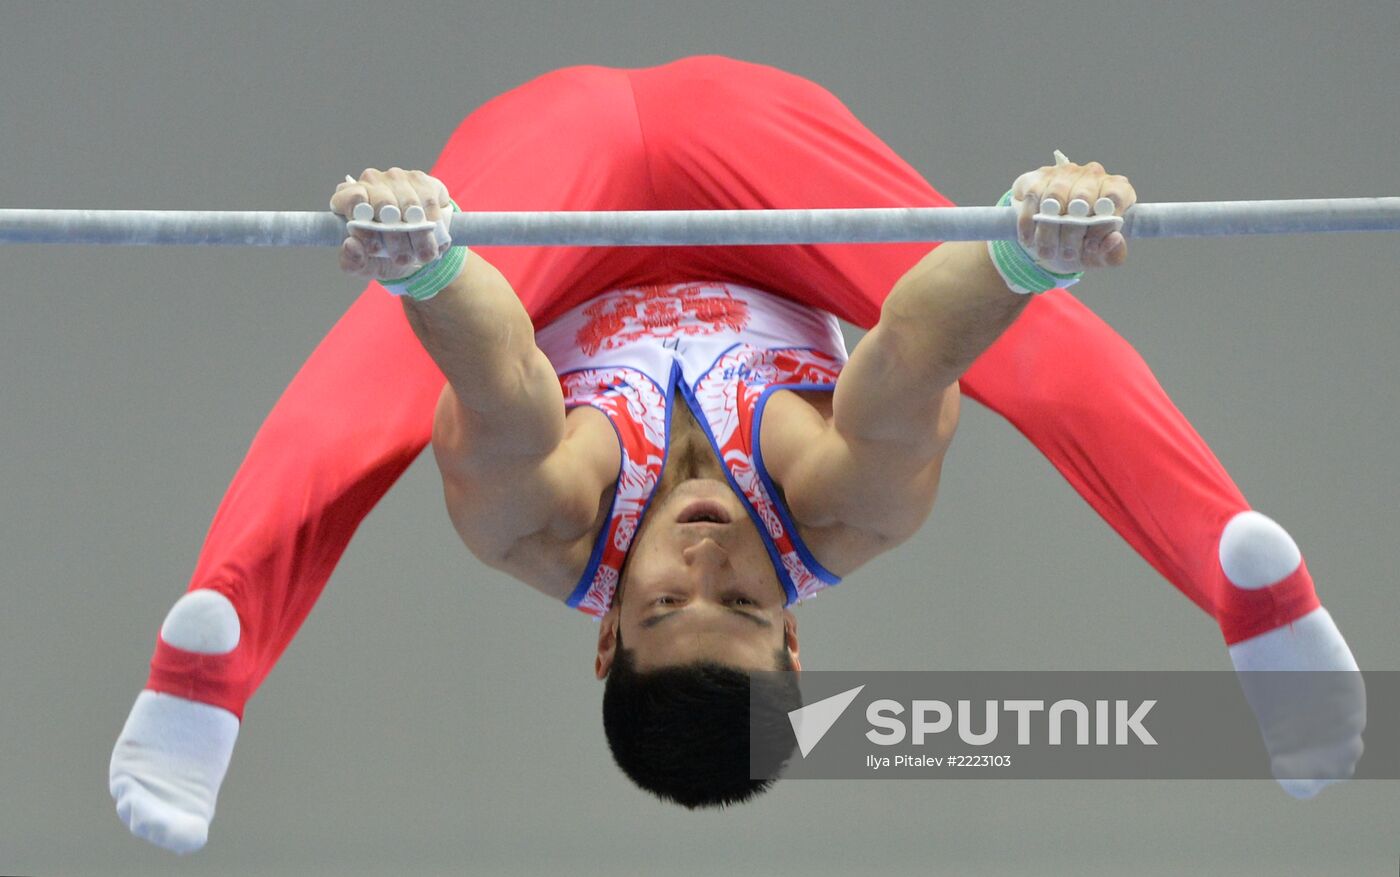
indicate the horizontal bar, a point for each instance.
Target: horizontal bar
{"x":692,"y":227}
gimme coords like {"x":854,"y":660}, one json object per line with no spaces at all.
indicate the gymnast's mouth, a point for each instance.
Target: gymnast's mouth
{"x":703,"y":511}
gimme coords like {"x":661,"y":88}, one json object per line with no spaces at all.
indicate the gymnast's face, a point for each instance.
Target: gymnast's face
{"x":698,"y":586}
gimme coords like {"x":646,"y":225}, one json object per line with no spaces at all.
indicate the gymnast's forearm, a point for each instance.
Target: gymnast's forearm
{"x":482,"y":339}
{"x":945,"y":311}
{"x":899,"y":387}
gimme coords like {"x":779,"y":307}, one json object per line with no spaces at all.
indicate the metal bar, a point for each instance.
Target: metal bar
{"x":691,"y":227}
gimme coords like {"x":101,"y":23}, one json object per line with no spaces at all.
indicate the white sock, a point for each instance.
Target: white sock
{"x":1308,"y":749}
{"x":172,"y":754}
{"x":167,"y":766}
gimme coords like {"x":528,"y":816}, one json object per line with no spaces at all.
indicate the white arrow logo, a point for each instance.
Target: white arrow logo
{"x":811,"y":722}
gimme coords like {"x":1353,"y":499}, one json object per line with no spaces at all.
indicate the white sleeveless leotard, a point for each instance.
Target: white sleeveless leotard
{"x":725,"y":348}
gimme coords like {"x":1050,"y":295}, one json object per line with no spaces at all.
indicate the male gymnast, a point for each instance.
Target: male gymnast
{"x":674,"y":440}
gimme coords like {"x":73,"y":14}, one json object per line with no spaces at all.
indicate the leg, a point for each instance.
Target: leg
{"x":724,"y":134}
{"x":354,"y":417}
{"x":1077,"y":390}
{"x":360,"y":410}
{"x":728,"y":134}
{"x":1086,"y":399}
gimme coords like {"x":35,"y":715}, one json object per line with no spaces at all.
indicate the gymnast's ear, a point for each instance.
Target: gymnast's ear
{"x":607,"y":642}
{"x":790,"y":638}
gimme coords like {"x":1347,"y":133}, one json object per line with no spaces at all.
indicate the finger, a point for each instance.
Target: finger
{"x":426,"y":192}
{"x":1046,"y":243}
{"x":432,"y":194}
{"x":405,"y":191}
{"x":1115,"y":250}
{"x":1084,"y":188}
{"x":398,"y":248}
{"x":347,"y":195}
{"x":441,"y":235}
{"x":1094,"y":237}
{"x":416,"y":193}
{"x":1091,"y":255}
{"x":1107,"y":253}
{"x":380,"y":193}
{"x":1117,"y":188}
{"x":376,"y":194}
{"x":352,"y":256}
{"x":1093,"y":252}
{"x":371,"y":241}
{"x":423,"y":245}
{"x":1025,"y":190}
{"x":1053,"y":241}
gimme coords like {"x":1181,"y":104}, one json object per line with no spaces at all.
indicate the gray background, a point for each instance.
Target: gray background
{"x":433,"y":717}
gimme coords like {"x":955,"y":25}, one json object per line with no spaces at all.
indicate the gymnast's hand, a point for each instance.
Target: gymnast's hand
{"x":1068,"y":249}
{"x":392,"y":194}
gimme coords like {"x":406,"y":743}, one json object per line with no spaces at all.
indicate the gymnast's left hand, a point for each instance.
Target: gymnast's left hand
{"x":1071,"y":248}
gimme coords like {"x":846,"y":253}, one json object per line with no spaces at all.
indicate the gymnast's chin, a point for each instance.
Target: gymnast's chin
{"x":698,"y":609}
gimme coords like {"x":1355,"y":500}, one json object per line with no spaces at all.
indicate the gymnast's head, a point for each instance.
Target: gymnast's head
{"x":698,"y":608}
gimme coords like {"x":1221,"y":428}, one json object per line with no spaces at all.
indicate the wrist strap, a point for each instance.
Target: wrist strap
{"x":433,"y":277}
{"x":1020,"y":270}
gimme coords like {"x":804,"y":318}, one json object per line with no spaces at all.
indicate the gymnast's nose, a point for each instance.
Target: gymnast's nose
{"x":706,"y":554}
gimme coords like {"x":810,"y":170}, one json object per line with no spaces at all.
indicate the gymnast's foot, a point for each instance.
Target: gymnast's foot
{"x":173,"y":752}
{"x":1311,"y":718}
{"x":167,"y":766}
{"x":1311,"y":721}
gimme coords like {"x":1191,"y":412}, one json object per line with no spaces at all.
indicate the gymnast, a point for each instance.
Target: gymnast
{"x":674,"y":440}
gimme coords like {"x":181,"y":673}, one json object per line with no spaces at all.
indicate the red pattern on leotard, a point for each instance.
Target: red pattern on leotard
{"x":659,"y":311}
{"x":728,"y":395}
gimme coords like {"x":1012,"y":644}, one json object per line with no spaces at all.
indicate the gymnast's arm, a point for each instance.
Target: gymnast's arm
{"x":512,"y":464}
{"x":875,"y":464}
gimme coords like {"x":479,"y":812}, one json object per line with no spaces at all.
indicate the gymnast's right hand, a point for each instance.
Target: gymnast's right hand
{"x":393,"y":195}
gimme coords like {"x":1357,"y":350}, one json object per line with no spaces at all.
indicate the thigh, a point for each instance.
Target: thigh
{"x":1087,"y":400}
{"x":726,"y":134}
{"x":567,"y":140}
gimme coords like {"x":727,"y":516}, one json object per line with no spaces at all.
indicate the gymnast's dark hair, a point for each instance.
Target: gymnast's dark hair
{"x":683,"y":733}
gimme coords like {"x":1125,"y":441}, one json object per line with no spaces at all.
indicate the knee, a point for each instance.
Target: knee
{"x":202,"y":621}
{"x":1255,"y":552}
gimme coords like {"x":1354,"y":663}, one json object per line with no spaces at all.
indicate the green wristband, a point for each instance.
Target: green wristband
{"x":433,"y":277}
{"x":1020,"y":270}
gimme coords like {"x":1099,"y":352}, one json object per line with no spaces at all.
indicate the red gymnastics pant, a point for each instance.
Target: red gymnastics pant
{"x":699,"y":133}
